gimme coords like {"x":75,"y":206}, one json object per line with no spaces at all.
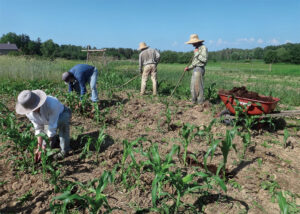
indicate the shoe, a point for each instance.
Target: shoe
{"x":61,"y":155}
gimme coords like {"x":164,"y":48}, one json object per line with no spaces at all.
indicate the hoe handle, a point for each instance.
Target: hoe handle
{"x":178,"y":82}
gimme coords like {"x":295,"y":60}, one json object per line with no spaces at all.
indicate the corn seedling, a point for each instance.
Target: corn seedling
{"x":285,"y":137}
{"x":226,"y":146}
{"x":129,"y":150}
{"x":246,"y":139}
{"x":161,"y":169}
{"x":86,"y":149}
{"x":92,"y":197}
{"x":187,"y":135}
{"x":99,"y":142}
{"x":283,"y":204}
{"x":25,"y":197}
{"x":210,"y":152}
{"x":206,"y":131}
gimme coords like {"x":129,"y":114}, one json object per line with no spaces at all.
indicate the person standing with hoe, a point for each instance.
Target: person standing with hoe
{"x":198,"y":66}
{"x":148,"y":59}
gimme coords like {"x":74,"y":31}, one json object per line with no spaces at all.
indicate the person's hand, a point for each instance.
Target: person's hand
{"x":186,"y":69}
{"x":196,"y":50}
{"x":38,"y":154}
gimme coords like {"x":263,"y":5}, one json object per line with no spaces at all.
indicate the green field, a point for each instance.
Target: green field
{"x":282,"y":81}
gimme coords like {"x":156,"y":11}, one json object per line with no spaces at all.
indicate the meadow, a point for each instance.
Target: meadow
{"x":152,"y":154}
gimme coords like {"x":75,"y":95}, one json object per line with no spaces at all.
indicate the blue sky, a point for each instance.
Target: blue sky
{"x":162,"y":24}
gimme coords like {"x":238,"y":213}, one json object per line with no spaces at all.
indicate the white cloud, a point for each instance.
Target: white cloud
{"x":260,"y":41}
{"x":288,"y":41}
{"x":273,"y":41}
{"x":174,"y":44}
{"x":247,"y":40}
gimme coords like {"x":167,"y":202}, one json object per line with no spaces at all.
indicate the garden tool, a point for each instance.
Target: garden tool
{"x":181,"y":77}
{"x":133,"y":78}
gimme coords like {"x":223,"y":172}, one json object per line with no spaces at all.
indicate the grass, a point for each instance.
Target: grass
{"x":281,"y":82}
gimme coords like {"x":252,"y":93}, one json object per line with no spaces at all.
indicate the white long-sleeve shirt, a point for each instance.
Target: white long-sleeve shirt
{"x":48,"y":115}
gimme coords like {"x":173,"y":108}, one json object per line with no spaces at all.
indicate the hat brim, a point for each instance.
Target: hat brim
{"x":194,"y":41}
{"x":144,"y":47}
{"x":42,"y":98}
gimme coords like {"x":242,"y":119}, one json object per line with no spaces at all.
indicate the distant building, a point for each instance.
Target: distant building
{"x":7,"y":47}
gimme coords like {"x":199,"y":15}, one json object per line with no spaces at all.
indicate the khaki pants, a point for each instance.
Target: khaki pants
{"x":149,"y":69}
{"x":197,"y":85}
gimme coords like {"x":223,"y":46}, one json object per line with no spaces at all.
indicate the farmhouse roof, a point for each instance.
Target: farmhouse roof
{"x":8,"y":46}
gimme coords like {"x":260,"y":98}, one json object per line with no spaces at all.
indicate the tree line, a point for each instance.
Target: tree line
{"x":287,"y":53}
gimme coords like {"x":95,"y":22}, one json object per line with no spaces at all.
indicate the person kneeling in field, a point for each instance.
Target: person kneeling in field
{"x":78,"y":76}
{"x":44,"y":110}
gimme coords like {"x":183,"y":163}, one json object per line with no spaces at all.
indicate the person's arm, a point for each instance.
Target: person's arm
{"x":70,"y":87}
{"x":202,"y":54}
{"x":140,"y":63}
{"x":157,"y":56}
{"x":38,"y":128}
{"x":53,"y":110}
{"x":194,"y":61}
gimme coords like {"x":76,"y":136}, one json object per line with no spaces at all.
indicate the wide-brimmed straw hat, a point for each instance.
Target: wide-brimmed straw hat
{"x":29,"y":101}
{"x":142,"y":46}
{"x":194,"y":39}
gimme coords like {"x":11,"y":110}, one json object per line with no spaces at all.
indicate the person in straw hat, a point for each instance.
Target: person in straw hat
{"x":148,"y":59}
{"x":78,"y":76}
{"x":198,"y":66}
{"x":43,"y":110}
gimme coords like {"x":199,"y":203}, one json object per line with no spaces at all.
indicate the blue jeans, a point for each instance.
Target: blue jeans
{"x":63,"y":126}
{"x":93,"y":84}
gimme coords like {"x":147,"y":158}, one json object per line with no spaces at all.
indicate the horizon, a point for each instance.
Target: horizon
{"x":163,"y":25}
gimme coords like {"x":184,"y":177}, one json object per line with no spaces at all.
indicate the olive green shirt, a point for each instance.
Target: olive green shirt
{"x":200,"y":57}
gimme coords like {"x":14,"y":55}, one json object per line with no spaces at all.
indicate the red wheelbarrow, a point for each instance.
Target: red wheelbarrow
{"x":252,"y":106}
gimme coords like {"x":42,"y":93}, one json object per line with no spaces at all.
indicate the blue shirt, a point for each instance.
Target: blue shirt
{"x":82,"y":73}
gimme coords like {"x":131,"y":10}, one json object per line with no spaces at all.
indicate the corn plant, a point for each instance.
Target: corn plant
{"x":92,"y":198}
{"x":206,"y":131}
{"x":161,"y":169}
{"x":168,"y":115}
{"x":99,"y":142}
{"x":226,"y":146}
{"x":283,"y":204}
{"x":86,"y":149}
{"x":246,"y":139}
{"x":187,"y":136}
{"x":129,"y":150}
{"x":210,"y":152}
{"x":285,"y":137}
{"x":25,"y":197}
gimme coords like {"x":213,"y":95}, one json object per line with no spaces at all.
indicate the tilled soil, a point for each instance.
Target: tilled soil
{"x":244,"y":93}
{"x":267,"y":160}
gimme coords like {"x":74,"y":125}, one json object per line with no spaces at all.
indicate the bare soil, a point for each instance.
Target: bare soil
{"x":267,"y":160}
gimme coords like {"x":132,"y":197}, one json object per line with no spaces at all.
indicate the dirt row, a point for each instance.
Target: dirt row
{"x":266,"y":159}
